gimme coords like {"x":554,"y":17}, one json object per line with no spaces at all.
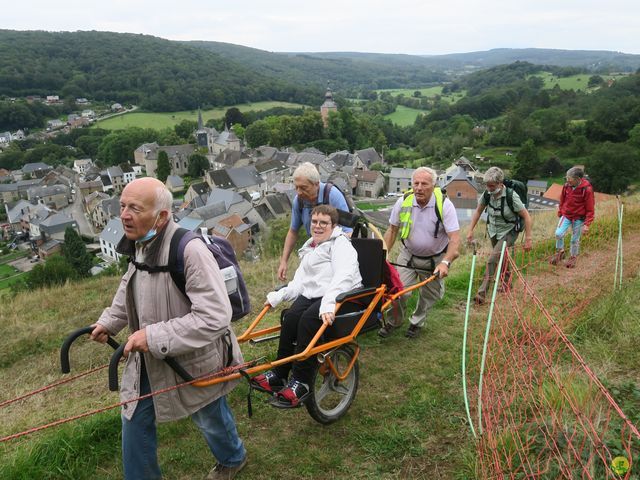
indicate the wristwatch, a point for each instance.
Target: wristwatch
{"x":446,"y":262}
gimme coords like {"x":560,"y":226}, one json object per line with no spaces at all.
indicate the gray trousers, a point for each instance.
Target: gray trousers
{"x":494,"y":258}
{"x":428,"y":294}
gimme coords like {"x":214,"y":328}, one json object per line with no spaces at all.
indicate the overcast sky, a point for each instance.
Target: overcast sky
{"x":390,"y":26}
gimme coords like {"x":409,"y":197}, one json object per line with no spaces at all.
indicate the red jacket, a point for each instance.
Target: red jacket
{"x":577,"y":203}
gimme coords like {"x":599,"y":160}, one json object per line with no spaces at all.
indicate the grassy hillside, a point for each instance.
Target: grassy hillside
{"x":169,"y":119}
{"x":407,"y":420}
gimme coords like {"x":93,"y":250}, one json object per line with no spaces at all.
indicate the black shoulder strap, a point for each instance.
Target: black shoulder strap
{"x":510,"y":199}
{"x":176,"y":260}
{"x":325,"y":194}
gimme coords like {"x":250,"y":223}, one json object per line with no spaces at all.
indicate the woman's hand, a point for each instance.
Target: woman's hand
{"x":328,"y":318}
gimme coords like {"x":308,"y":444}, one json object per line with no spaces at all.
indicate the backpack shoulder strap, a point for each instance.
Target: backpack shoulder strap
{"x":509,"y":199}
{"x":326,"y":192}
{"x":179,"y":241}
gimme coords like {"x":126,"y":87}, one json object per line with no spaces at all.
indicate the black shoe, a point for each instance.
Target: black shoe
{"x":220,"y":472}
{"x":412,"y":331}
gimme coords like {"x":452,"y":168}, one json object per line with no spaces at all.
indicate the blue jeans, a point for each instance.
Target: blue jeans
{"x":140,"y":442}
{"x":576,"y":233}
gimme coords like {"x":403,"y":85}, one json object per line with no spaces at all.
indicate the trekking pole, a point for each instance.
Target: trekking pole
{"x":464,"y":343}
{"x":486,"y":333}
{"x":617,"y":281}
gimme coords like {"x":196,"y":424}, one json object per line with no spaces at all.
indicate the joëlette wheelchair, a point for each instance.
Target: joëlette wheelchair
{"x":336,"y":374}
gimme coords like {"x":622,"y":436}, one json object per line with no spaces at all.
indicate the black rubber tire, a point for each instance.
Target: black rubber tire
{"x":329,"y":399}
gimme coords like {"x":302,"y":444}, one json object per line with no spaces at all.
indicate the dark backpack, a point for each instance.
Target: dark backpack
{"x":350,"y":219}
{"x":512,"y":186}
{"x":226,"y":259}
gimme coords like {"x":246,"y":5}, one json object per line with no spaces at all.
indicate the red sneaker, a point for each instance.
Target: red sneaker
{"x":268,"y":382}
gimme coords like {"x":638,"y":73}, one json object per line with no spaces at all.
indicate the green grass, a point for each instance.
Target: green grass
{"x":7,"y":271}
{"x":578,"y":82}
{"x":169,"y":119}
{"x":404,"y":116}
{"x":407,"y":420}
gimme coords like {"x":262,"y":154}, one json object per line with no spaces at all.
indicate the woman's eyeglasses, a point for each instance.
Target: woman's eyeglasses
{"x":320,"y":223}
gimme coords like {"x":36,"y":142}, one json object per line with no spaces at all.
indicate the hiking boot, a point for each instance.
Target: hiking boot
{"x":292,"y":396}
{"x":220,"y":472}
{"x":385,"y":331}
{"x":268,"y":382}
{"x":571,"y":263}
{"x":557,"y":257}
{"x":480,"y":299}
{"x":412,"y":331}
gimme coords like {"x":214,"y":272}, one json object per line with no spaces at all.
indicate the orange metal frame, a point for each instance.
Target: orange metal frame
{"x":313,"y":348}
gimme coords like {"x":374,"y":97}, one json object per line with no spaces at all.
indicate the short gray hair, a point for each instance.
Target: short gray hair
{"x":494,"y":174}
{"x":308,"y":171}
{"x":428,"y":171}
{"x":164,"y":199}
{"x":575,"y":172}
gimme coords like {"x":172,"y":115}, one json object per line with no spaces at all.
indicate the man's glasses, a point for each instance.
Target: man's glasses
{"x":320,"y":223}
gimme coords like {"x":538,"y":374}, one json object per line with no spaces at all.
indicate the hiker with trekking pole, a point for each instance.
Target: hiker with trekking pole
{"x":507,"y":215}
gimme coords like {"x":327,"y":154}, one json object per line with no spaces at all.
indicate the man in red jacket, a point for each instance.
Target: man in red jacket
{"x":577,"y":206}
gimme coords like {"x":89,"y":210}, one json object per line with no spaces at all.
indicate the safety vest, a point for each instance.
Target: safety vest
{"x":407,"y":208}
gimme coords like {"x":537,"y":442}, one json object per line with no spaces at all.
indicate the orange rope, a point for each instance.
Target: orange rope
{"x":223,"y":372}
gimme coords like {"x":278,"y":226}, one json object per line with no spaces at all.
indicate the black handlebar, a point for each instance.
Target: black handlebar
{"x":115,"y":358}
{"x":64,"y":351}
{"x":117,"y":355}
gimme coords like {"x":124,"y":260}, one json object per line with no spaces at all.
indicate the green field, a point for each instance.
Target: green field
{"x":404,"y":116}
{"x":574,"y":82}
{"x":425,"y":92}
{"x":169,"y":119}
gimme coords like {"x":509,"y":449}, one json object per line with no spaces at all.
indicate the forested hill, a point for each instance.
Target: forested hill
{"x":587,"y":60}
{"x":154,"y":73}
{"x":344,"y":71}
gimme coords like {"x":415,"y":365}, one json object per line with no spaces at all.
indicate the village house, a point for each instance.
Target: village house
{"x":36,"y":170}
{"x":49,"y":248}
{"x":110,"y":237}
{"x":147,"y":155}
{"x":400,"y":180}
{"x":370,"y":183}
{"x":536,"y":188}
{"x":104,"y":210}
{"x":367,"y":157}
{"x":460,"y":187}
{"x":272,"y":172}
{"x":233,"y":229}
{"x":54,"y":196}
{"x":198,"y":190}
{"x":83,"y":165}
{"x":174,"y":183}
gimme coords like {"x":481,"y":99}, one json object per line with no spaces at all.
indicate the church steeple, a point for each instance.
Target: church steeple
{"x":200,"y":124}
{"x":328,"y":106}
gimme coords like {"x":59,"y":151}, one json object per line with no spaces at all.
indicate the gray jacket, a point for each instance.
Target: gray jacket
{"x":190,"y":330}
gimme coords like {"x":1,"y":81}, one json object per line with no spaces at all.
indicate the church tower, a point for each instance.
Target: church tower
{"x":328,"y":106}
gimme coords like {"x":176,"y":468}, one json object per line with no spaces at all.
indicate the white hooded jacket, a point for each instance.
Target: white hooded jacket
{"x":326,"y":270}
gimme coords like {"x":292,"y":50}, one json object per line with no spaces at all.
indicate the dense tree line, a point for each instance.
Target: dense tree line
{"x":156,"y":74}
{"x":20,"y":114}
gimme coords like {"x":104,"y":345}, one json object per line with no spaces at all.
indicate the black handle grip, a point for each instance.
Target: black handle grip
{"x":113,"y":368}
{"x":64,"y":350}
{"x":117,"y":355}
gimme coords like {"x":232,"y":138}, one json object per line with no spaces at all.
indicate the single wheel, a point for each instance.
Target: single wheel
{"x":330,"y":398}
